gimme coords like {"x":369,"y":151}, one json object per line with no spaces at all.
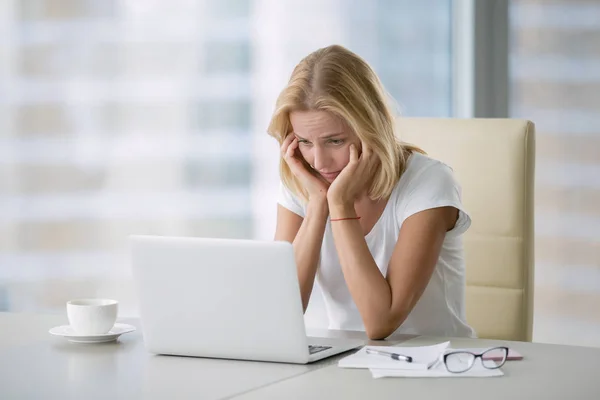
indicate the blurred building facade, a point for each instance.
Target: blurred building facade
{"x":149,"y":117}
{"x":555,"y":82}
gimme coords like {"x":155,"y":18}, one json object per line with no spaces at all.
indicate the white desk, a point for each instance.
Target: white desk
{"x":547,"y":372}
{"x":34,"y":364}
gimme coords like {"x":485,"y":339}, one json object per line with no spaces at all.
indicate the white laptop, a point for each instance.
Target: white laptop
{"x":223,"y":298}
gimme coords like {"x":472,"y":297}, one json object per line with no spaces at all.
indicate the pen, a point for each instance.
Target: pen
{"x":393,"y":356}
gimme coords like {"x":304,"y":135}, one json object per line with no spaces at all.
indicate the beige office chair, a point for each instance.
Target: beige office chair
{"x":494,"y":161}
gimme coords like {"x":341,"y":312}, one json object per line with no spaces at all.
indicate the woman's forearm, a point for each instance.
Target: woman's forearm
{"x":368,"y":287}
{"x":307,"y":246}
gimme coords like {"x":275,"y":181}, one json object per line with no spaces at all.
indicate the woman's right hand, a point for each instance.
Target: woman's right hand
{"x":314,"y":185}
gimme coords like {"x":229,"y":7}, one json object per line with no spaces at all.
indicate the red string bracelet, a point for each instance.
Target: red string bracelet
{"x":343,"y":219}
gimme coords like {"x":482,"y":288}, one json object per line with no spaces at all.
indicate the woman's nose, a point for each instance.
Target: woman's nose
{"x":320,"y":159}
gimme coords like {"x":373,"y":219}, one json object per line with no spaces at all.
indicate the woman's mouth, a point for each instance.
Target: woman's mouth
{"x":329,"y":175}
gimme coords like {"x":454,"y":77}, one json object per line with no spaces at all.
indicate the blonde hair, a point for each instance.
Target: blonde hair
{"x":335,"y":80}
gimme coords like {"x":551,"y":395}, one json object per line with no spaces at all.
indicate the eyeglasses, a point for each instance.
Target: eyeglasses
{"x":462,"y":361}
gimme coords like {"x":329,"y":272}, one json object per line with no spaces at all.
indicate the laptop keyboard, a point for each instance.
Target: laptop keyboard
{"x":315,"y":349}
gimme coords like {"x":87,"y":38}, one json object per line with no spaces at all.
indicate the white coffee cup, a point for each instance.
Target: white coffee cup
{"x":92,"y":316}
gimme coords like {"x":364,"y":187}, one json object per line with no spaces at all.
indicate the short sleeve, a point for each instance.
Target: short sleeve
{"x":290,"y":201}
{"x":436,"y":186}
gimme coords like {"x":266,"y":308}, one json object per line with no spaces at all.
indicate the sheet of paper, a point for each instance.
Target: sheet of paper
{"x":423,"y":357}
{"x":437,"y":371}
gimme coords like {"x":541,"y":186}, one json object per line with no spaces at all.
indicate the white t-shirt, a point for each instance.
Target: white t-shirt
{"x":426,"y":183}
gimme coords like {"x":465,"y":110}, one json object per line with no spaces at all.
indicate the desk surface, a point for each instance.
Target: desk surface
{"x":34,"y":364}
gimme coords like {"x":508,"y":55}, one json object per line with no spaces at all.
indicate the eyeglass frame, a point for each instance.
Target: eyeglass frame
{"x":475,"y":357}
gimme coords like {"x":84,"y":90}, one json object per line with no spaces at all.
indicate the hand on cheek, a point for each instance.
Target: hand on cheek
{"x":353,"y":179}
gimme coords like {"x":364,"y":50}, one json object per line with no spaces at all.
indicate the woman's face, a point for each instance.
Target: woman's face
{"x":323,"y":141}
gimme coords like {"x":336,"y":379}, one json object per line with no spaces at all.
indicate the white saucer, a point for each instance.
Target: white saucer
{"x":68,"y":332}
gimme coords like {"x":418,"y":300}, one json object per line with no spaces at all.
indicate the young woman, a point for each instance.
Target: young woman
{"x":375,"y":221}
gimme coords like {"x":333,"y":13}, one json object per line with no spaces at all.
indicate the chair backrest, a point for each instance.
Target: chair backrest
{"x":494,"y":161}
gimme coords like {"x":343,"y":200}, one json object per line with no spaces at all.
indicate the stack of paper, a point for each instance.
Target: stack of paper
{"x":426,"y":362}
{"x":437,"y":371}
{"x":423,"y":357}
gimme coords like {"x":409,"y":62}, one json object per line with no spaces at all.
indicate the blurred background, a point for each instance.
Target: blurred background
{"x":149,"y":117}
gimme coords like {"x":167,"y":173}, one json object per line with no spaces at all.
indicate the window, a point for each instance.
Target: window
{"x":555,"y":81}
{"x":122,"y":117}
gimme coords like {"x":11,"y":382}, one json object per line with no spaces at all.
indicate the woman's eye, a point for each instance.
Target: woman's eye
{"x":336,"y":142}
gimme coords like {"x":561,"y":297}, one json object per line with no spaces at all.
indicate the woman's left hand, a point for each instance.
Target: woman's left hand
{"x":353,"y":180}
